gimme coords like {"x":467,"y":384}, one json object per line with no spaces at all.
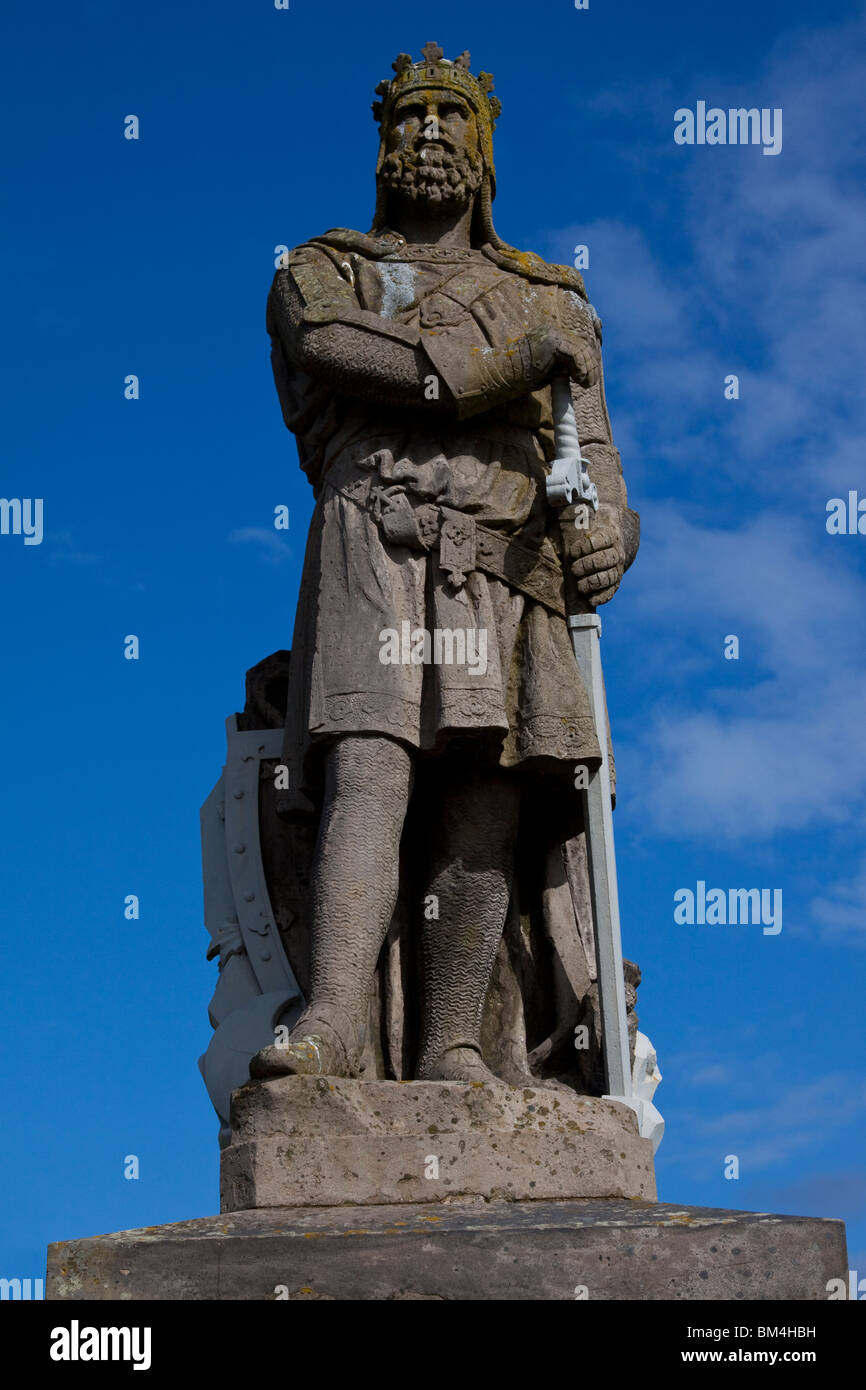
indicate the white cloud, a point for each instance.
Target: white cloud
{"x":63,"y":547}
{"x":764,"y":274}
{"x":842,"y":911}
{"x":767,"y":280}
{"x":271,"y":546}
{"x":775,"y":1120}
{"x":783,"y":750}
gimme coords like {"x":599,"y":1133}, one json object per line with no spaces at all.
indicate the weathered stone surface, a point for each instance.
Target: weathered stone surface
{"x":326,"y":1141}
{"x":416,"y":880}
{"x":479,"y":1252}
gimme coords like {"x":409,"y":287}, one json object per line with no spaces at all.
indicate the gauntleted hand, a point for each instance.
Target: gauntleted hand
{"x":597,"y":560}
{"x":576,"y":354}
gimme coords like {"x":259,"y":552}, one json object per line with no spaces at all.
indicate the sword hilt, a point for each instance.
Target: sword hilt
{"x":568,"y":480}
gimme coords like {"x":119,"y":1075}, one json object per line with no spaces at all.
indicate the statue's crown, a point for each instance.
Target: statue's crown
{"x":434,"y":70}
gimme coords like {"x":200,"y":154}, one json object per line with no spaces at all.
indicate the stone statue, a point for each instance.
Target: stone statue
{"x":434,"y":713}
{"x":404,"y":876}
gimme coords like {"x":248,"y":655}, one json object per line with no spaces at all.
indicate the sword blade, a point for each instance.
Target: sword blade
{"x":568,"y":476}
{"x":585,"y":631}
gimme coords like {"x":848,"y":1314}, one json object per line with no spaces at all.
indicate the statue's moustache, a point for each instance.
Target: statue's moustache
{"x":424,"y":145}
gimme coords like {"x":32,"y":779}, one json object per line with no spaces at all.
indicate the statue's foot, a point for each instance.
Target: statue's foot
{"x":461,"y":1063}
{"x":309,"y":1056}
{"x":317,"y":1046}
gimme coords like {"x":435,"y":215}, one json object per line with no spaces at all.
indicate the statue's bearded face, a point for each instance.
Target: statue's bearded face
{"x":433,"y":155}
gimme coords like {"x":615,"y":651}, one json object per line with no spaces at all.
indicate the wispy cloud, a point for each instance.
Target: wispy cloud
{"x":785,"y":751}
{"x":63,"y":548}
{"x":271,"y":545}
{"x":768,"y":281}
{"x":842,"y":910}
{"x":774,"y":1120}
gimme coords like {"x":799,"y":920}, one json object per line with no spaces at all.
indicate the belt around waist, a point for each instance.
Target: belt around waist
{"x":464,"y":544}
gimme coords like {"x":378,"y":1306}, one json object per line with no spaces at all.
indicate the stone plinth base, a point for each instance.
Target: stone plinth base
{"x":302,"y":1141}
{"x":465,"y":1251}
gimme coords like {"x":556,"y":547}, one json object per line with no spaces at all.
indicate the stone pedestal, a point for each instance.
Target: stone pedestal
{"x":302,"y":1141}
{"x":496,"y":1250}
{"x":336,"y":1189}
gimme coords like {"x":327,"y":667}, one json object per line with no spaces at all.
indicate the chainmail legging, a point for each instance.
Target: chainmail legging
{"x":471,"y":870}
{"x":355,"y":877}
{"x":355,"y":882}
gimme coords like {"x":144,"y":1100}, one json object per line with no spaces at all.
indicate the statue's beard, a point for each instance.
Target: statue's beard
{"x":442,"y":180}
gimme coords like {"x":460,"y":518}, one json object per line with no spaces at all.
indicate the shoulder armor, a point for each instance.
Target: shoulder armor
{"x":363,"y":243}
{"x":532,"y":267}
{"x":320,"y":281}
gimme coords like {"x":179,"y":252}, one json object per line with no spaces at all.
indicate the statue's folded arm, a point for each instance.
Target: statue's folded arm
{"x":362,"y":354}
{"x":480,"y":376}
{"x":323,"y":331}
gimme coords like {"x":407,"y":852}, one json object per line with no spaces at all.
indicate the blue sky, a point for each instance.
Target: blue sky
{"x":154,"y":257}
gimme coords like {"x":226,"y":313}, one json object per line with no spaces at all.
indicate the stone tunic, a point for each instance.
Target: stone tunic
{"x":366,"y":594}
